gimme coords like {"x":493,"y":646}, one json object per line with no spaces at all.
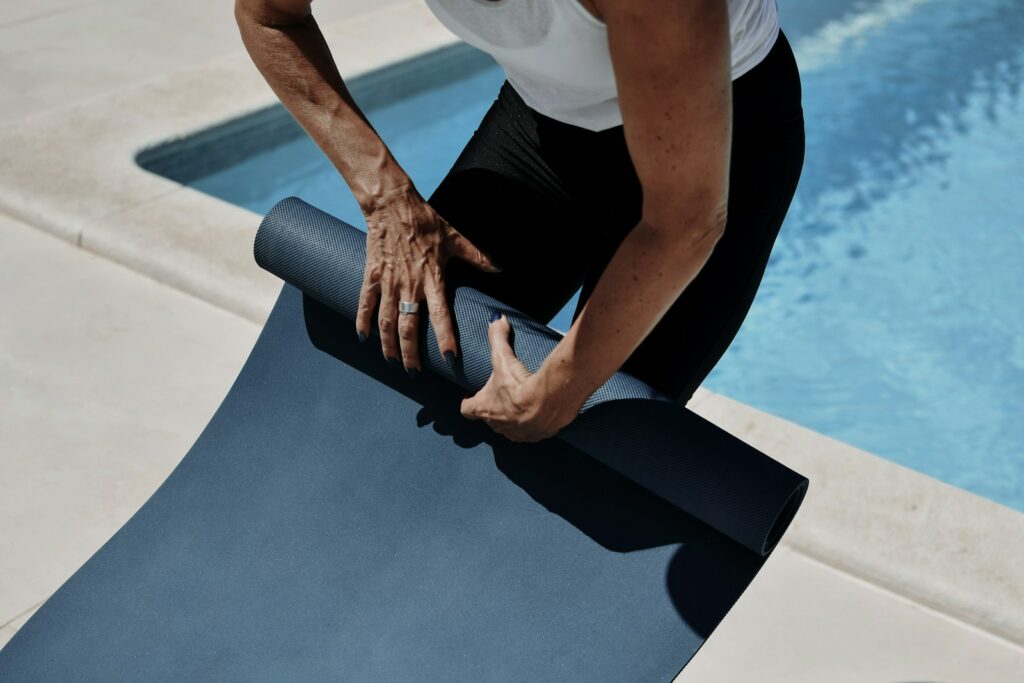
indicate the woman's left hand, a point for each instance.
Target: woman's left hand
{"x":515,"y":402}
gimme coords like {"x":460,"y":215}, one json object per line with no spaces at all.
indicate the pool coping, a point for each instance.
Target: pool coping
{"x":72,"y":172}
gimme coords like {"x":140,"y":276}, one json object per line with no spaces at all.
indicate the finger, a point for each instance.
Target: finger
{"x":408,"y":334}
{"x":369,"y":297}
{"x":497,"y":336}
{"x":503,"y":356}
{"x":477,"y":406}
{"x":386,"y":320}
{"x":471,"y":407}
{"x":459,"y":246}
{"x":441,"y":319}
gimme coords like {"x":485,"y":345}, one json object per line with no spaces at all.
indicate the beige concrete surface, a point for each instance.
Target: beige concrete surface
{"x":95,"y":439}
{"x":110,"y":376}
{"x":59,"y":51}
{"x":934,"y":543}
{"x":8,"y":630}
{"x":802,"y":620}
{"x":107,"y":379}
{"x":72,"y":172}
{"x":107,"y":376}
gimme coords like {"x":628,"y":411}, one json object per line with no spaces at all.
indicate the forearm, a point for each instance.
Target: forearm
{"x":677,"y":126}
{"x":647,"y":274}
{"x":291,"y":53}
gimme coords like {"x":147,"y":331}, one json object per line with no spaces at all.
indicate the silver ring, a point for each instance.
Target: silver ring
{"x":408,"y":307}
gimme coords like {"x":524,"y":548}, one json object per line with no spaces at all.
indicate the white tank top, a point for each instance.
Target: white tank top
{"x":555,"y":52}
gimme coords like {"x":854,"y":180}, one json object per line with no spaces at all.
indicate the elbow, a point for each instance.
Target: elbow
{"x":712,"y":228}
{"x":692,"y":225}
{"x":242,"y":12}
{"x":247,"y":14}
{"x":270,"y":14}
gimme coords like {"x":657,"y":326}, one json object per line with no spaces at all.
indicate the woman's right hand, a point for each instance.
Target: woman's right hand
{"x":408,"y":243}
{"x":407,"y":246}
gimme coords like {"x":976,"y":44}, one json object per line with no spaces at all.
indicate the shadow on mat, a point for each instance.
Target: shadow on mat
{"x":706,"y":574}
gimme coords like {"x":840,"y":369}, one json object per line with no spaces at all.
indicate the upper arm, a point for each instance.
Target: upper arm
{"x":672,"y":68}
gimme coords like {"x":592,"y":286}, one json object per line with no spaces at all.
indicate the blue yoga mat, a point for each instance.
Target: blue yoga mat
{"x":339,"y":521}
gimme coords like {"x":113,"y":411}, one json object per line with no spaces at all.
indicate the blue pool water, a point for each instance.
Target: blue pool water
{"x":891,"y":314}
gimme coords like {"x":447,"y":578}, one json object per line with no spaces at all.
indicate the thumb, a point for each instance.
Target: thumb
{"x":503,"y":357}
{"x":470,"y":407}
{"x":459,"y":246}
{"x":475,"y":407}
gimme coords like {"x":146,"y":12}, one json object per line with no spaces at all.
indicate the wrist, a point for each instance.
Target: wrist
{"x":385,"y":189}
{"x":399,"y":193}
{"x":561,"y":384}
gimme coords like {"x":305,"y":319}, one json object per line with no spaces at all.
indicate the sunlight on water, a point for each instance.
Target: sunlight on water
{"x":891,"y":314}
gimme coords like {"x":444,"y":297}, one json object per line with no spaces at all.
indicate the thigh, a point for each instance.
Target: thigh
{"x":767,"y":157}
{"x":505,"y":196}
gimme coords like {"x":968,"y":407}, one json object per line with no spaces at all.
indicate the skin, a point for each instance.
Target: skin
{"x":408,"y":243}
{"x":677,"y":123}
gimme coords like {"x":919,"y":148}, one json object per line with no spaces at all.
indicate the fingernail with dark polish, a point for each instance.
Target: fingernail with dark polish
{"x":362,"y":337}
{"x":412,"y":372}
{"x":449,"y":358}
{"x":393,"y":362}
{"x":495,"y":315}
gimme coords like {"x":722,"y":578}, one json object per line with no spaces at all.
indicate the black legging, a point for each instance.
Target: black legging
{"x":551,"y":202}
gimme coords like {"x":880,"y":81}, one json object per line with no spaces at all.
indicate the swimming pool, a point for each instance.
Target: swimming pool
{"x":890,"y":316}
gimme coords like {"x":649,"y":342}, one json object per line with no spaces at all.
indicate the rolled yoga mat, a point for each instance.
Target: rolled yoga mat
{"x":339,"y":521}
{"x":642,"y":435}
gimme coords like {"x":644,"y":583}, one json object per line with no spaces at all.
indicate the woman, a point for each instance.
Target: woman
{"x":646,"y":151}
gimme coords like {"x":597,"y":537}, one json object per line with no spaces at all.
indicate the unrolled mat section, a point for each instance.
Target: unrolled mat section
{"x":625,"y":424}
{"x":337,"y":520}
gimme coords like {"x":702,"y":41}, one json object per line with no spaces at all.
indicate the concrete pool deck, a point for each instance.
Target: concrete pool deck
{"x":886,"y":574}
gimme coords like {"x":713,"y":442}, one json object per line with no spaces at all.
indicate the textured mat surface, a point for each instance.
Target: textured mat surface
{"x":337,"y":520}
{"x":669,"y":450}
